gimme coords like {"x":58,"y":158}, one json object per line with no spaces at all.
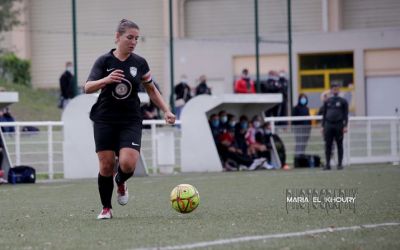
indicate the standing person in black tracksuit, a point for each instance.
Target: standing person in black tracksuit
{"x":334,"y":124}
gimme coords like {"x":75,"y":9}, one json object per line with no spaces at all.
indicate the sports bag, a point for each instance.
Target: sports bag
{"x":21,"y":174}
{"x":307,"y":161}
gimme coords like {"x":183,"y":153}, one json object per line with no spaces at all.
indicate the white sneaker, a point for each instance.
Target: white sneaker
{"x":105,"y":214}
{"x":268,"y":166}
{"x":256,"y":163}
{"x":122,"y":194}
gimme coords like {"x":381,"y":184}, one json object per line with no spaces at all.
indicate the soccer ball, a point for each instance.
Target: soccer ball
{"x":184,"y":198}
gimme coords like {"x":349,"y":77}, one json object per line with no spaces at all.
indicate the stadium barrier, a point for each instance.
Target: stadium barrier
{"x":369,"y":140}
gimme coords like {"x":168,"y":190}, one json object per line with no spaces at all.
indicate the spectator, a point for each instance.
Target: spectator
{"x":215,"y":126}
{"x":232,"y":121}
{"x":270,"y":138}
{"x":232,"y":156}
{"x":301,"y":128}
{"x":202,"y":88}
{"x":240,"y":132}
{"x":255,"y":141}
{"x":276,"y":83}
{"x":223,"y":119}
{"x":182,"y":95}
{"x":245,"y":84}
{"x":66,"y":85}
{"x":5,"y":116}
{"x":149,"y":112}
{"x":255,"y":126}
{"x":283,"y":84}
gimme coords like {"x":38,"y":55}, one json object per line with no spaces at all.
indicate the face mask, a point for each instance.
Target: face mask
{"x":224,"y":119}
{"x":244,"y":125}
{"x":267,"y":131}
{"x":232,"y":124}
{"x":303,"y":101}
{"x":215,"y":123}
{"x":70,"y":69}
{"x":256,"y":124}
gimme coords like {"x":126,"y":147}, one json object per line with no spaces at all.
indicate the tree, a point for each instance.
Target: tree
{"x":9,"y":15}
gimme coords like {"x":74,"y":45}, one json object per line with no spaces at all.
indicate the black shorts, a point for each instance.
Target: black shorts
{"x":108,"y":136}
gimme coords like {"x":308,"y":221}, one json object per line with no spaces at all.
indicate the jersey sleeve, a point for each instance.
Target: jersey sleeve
{"x":96,"y":72}
{"x":146,"y":78}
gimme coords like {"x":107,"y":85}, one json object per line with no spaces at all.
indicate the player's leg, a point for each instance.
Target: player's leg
{"x":104,"y":135}
{"x":105,"y":182}
{"x":128,"y":158}
{"x":129,"y":143}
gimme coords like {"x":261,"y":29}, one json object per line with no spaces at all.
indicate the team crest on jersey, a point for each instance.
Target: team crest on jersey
{"x":122,"y":90}
{"x":133,"y":71}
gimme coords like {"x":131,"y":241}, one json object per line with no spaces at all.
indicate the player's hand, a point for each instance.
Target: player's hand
{"x":169,"y":118}
{"x":115,"y":76}
{"x":344,"y":130}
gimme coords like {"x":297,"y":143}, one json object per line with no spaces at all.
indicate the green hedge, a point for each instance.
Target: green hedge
{"x":15,"y":70}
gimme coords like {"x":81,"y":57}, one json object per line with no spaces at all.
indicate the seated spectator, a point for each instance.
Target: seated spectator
{"x":202,"y":88}
{"x":270,"y":138}
{"x":5,"y":116}
{"x":223,"y":119}
{"x":232,"y":121}
{"x":255,"y":140}
{"x":215,"y":126}
{"x":240,"y":132}
{"x":244,"y":84}
{"x":149,"y":112}
{"x":232,"y":157}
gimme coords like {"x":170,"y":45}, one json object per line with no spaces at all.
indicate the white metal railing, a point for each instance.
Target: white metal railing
{"x":43,"y":149}
{"x":369,"y":140}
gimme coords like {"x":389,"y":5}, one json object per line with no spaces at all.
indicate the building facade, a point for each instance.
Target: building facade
{"x":353,"y":42}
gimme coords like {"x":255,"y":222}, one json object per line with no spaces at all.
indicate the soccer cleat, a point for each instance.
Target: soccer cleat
{"x":122,"y":193}
{"x":105,"y":214}
{"x":340,"y":167}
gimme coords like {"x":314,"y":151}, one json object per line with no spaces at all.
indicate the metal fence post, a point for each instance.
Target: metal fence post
{"x":154,"y":147}
{"x":369,"y":135}
{"x":50,"y":150}
{"x":17,"y":146}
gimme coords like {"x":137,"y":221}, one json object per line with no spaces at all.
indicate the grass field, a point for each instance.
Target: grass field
{"x":235,"y":207}
{"x":34,"y":104}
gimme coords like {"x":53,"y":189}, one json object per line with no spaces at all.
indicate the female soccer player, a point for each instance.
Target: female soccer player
{"x":116,"y":116}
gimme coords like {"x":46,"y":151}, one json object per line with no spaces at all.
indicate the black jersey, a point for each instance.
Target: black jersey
{"x":118,"y":102}
{"x":335,"y":111}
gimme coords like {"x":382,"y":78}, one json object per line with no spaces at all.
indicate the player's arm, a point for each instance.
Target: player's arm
{"x":94,"y":86}
{"x":157,"y":99}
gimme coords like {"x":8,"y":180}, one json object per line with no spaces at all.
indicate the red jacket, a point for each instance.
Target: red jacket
{"x":241,"y":86}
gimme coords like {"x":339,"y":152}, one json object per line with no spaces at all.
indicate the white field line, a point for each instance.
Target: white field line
{"x":269,"y":236}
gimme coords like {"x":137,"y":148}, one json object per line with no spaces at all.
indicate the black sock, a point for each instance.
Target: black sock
{"x":121,"y":176}
{"x":106,"y":186}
